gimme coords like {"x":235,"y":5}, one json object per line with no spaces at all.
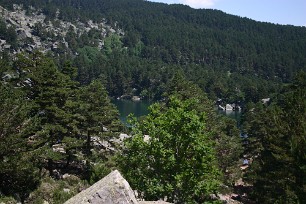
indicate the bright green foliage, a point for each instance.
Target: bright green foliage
{"x":90,"y":63}
{"x":177,"y":159}
{"x":277,"y":143}
{"x":224,"y":130}
{"x":112,"y":43}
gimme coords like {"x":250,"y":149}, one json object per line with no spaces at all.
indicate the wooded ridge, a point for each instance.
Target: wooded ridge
{"x":61,"y":62}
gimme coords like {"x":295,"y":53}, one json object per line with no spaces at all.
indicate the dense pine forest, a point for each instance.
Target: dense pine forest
{"x":229,"y":57}
{"x":56,"y":111}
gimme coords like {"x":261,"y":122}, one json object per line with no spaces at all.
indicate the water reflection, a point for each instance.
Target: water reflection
{"x":126,"y":107}
{"x":140,"y":108}
{"x":232,"y":114}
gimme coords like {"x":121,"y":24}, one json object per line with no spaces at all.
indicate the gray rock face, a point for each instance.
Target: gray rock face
{"x":153,"y":202}
{"x":112,"y":189}
{"x":25,"y":27}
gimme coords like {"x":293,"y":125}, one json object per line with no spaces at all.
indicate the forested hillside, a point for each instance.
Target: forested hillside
{"x":62,"y":60}
{"x":277,"y":144}
{"x":229,"y":57}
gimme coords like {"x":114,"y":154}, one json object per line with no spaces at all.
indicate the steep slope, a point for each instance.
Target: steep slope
{"x":34,"y":30}
{"x":229,"y":57}
{"x":179,"y":34}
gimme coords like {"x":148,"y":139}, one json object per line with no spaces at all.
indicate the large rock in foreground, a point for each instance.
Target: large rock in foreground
{"x":112,"y":189}
{"x":153,"y":202}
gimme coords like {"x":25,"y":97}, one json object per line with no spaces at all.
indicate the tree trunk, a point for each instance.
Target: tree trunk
{"x":88,"y":152}
{"x":50,"y":167}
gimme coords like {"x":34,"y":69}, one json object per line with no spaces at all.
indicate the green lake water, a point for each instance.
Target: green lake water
{"x":232,"y":114}
{"x":140,"y":108}
{"x":126,"y":107}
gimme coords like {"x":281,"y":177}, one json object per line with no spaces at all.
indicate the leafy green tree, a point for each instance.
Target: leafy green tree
{"x":224,"y":130}
{"x":112,"y":43}
{"x":170,"y":155}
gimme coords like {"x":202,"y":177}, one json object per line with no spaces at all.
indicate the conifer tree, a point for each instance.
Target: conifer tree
{"x":48,"y":90}
{"x":277,"y":145}
{"x":99,"y":120}
{"x":99,"y":115}
{"x":18,"y":176}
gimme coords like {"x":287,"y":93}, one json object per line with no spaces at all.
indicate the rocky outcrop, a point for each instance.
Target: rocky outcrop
{"x":112,"y":189}
{"x":31,"y":25}
{"x":136,"y":98}
{"x":153,"y":202}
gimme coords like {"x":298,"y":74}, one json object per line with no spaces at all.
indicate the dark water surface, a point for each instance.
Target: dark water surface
{"x":140,"y":108}
{"x":126,"y":107}
{"x":232,"y":114}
